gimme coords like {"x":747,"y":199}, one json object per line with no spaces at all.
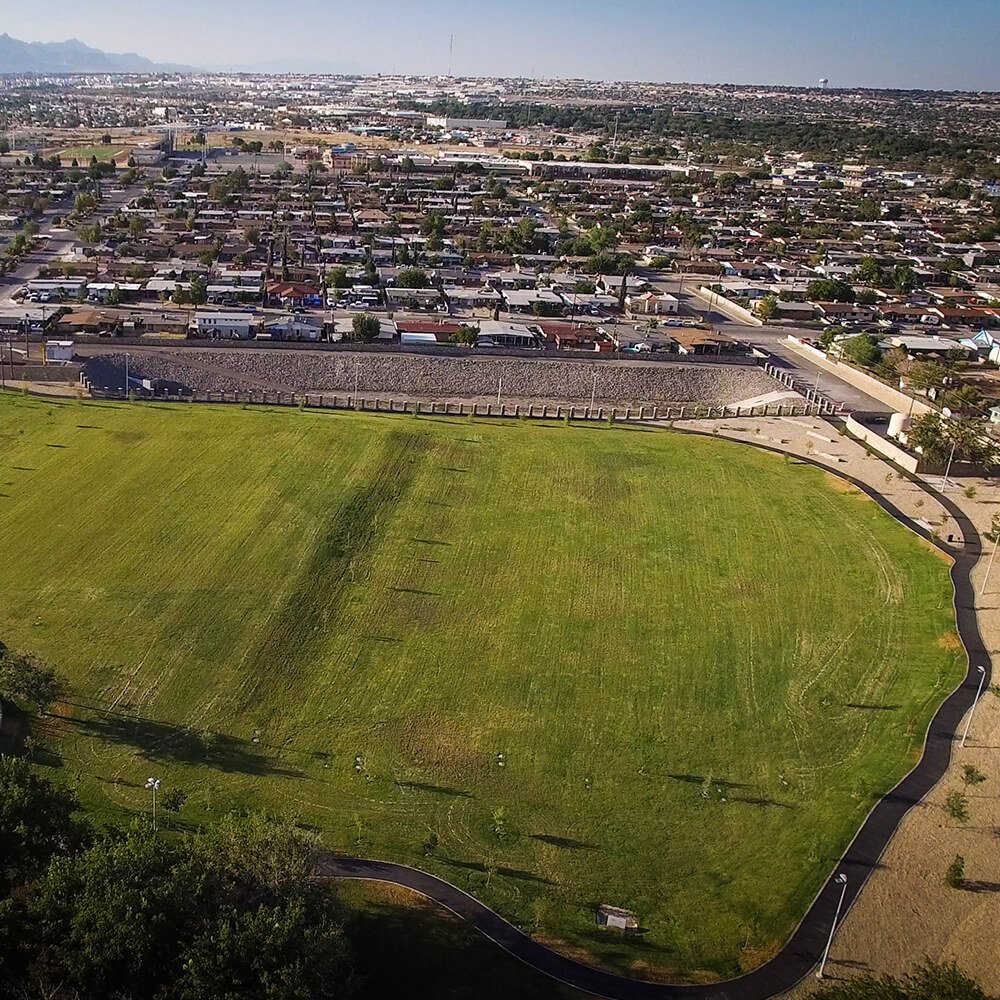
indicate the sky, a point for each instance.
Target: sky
{"x":920,"y":44}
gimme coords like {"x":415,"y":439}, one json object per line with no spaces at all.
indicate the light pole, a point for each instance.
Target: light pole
{"x":972,"y":711}
{"x":993,"y":555}
{"x":126,"y":376}
{"x":840,"y":880}
{"x":593,"y":393}
{"x":499,"y":389}
{"x":153,"y":784}
{"x":947,"y":471}
{"x":355,"y":385}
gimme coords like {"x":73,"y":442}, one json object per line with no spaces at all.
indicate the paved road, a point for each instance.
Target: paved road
{"x":803,"y":950}
{"x":770,"y":339}
{"x":59,"y":239}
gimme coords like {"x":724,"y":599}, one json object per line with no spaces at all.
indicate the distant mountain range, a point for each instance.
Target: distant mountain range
{"x":74,"y":57}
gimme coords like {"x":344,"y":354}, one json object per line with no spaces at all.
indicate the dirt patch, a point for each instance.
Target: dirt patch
{"x":842,"y":485}
{"x":951,"y":642}
{"x":442,"y":746}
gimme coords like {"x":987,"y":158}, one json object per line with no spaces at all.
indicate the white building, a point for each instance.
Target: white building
{"x":224,"y":325}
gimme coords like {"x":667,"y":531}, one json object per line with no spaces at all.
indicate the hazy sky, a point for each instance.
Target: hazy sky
{"x":946,"y":44}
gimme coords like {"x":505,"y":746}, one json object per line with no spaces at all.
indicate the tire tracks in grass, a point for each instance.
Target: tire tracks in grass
{"x":351,"y":533}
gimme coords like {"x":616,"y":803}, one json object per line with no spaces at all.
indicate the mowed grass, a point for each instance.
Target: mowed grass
{"x":86,"y":153}
{"x":699,"y":662}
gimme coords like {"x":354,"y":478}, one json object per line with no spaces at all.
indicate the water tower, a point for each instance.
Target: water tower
{"x":824,"y":83}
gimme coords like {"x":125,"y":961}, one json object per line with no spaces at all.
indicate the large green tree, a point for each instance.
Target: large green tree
{"x":930,"y":982}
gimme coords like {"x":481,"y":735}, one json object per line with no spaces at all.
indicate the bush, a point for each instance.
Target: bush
{"x":957,"y":807}
{"x":971,"y":775}
{"x":955,"y":876}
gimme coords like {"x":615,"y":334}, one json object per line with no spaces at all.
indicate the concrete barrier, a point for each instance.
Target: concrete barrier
{"x":727,"y":307}
{"x":874,"y":387}
{"x":883,"y":446}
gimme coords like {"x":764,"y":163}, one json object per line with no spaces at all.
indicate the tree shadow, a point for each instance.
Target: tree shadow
{"x":760,"y":801}
{"x":421,"y":786}
{"x":515,"y":873}
{"x":413,"y":590}
{"x":700,"y":779}
{"x":565,"y":842}
{"x":971,"y":885}
{"x":871,"y":708}
{"x":164,"y":741}
{"x":429,"y":541}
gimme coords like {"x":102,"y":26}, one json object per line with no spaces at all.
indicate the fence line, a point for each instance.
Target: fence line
{"x":530,"y":411}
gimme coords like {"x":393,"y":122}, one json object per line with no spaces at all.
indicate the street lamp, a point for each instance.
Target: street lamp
{"x":153,"y":784}
{"x":840,"y":880}
{"x":972,"y":711}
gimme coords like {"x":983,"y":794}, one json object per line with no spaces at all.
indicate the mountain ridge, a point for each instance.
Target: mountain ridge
{"x":74,"y":56}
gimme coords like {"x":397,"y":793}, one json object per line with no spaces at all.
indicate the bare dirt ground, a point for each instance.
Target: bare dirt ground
{"x":907,"y":912}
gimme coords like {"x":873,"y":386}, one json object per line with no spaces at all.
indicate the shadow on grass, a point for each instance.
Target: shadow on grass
{"x":421,"y":786}
{"x":515,"y":873}
{"x":164,"y":741}
{"x":437,"y":957}
{"x":564,"y":842}
{"x":700,"y":779}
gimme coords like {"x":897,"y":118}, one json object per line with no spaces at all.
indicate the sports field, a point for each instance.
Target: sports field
{"x":84,"y":154}
{"x":560,"y":666}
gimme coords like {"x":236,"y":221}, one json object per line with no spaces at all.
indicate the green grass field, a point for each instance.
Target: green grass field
{"x":697,"y":662}
{"x":83,"y":154}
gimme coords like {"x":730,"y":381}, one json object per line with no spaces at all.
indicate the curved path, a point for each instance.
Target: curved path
{"x":804,"y":948}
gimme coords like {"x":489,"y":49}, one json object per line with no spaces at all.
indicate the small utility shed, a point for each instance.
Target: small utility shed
{"x":58,"y":351}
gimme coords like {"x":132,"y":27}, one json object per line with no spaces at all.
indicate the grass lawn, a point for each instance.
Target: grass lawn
{"x":559,"y":666}
{"x":83,"y":154}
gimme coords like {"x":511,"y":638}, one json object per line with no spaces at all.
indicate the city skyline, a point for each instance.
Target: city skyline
{"x":892,"y":45}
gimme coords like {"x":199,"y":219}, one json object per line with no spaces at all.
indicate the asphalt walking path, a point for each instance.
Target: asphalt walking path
{"x":803,"y":951}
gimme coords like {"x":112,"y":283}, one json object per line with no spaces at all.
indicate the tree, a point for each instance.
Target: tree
{"x":904,"y":279}
{"x":413,"y":277}
{"x":829,"y":335}
{"x":955,"y":876}
{"x":930,"y":981}
{"x":956,"y":805}
{"x":115,"y":296}
{"x":36,"y":823}
{"x":870,"y":271}
{"x":26,"y":680}
{"x":767,"y":309}
{"x":862,"y":350}
{"x":829,"y":290}
{"x":365,"y":327}
{"x":337,"y":278}
{"x":231,"y":913}
{"x":198,"y":290}
{"x":465,"y":335}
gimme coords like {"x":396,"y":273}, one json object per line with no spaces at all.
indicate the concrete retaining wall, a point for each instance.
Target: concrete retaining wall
{"x":874,"y":387}
{"x":727,"y":307}
{"x":885,"y":448}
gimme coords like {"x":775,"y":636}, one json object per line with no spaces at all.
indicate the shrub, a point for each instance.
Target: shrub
{"x":955,"y":876}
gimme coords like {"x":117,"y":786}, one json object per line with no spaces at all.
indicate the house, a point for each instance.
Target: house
{"x":472,"y":298}
{"x":538,"y":301}
{"x":294,"y":327}
{"x":291,"y":294}
{"x":651,"y":304}
{"x":499,"y":334}
{"x":700,"y":342}
{"x":412,"y":298}
{"x":224,"y":325}
{"x":800,"y":311}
